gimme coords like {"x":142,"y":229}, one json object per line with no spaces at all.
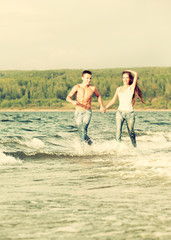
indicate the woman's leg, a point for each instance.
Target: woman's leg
{"x":119,"y":123}
{"x":130,"y":121}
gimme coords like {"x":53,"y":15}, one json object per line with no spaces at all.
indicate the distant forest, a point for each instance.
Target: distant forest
{"x":48,"y":89}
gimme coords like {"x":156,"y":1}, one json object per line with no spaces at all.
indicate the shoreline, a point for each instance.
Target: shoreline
{"x":72,"y":110}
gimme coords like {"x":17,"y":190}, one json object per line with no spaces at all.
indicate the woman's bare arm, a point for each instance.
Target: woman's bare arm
{"x":112,"y":102}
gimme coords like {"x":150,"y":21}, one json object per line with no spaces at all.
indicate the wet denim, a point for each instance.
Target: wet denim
{"x":130,"y":121}
{"x":82,"y":120}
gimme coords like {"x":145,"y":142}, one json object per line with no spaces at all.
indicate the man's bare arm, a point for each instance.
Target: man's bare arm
{"x":102,"y":108}
{"x":71,"y":94}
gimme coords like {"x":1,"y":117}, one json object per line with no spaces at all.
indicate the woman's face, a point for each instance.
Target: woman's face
{"x":125,"y":78}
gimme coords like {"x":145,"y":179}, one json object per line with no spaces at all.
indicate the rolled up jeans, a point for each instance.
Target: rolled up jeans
{"x":82,"y":120}
{"x":130,"y":121}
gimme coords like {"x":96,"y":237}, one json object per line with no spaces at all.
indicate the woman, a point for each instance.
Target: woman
{"x":127,"y":95}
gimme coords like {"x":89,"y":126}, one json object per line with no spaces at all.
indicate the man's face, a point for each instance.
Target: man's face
{"x":86,"y":79}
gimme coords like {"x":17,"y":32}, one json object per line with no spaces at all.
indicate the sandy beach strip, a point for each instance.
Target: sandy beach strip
{"x":72,"y":110}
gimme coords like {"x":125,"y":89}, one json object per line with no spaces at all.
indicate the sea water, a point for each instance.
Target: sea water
{"x":52,"y":187}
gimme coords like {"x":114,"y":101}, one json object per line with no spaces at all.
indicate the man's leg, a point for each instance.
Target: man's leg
{"x":119,"y":123}
{"x":86,"y":121}
{"x":130,"y":121}
{"x":79,"y":122}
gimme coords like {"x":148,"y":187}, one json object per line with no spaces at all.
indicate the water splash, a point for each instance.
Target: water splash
{"x":34,"y":143}
{"x":4,"y":159}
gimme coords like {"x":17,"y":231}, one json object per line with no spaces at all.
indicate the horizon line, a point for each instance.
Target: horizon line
{"x":56,"y":69}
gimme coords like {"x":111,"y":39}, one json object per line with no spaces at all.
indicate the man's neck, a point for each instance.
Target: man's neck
{"x":84,"y":85}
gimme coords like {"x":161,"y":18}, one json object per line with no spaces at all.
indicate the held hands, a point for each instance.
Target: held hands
{"x":102,"y":109}
{"x":75,"y":103}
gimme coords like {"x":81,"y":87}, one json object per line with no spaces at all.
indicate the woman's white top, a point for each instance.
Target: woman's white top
{"x":125,"y":100}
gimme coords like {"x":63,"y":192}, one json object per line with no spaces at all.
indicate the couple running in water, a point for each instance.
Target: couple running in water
{"x":127,"y":95}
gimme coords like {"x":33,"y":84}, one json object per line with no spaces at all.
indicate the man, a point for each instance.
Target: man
{"x":83,"y":93}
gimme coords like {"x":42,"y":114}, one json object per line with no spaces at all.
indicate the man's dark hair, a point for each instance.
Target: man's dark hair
{"x":86,"y":71}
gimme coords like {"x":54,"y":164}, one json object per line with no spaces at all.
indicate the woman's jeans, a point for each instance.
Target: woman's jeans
{"x":130,"y":120}
{"x":82,"y":120}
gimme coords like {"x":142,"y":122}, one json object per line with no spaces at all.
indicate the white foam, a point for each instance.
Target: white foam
{"x":157,"y":163}
{"x":152,"y":152}
{"x":34,"y":143}
{"x":4,"y":159}
{"x":101,"y":148}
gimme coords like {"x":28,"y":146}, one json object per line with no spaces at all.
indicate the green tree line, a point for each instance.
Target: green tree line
{"x":48,"y":89}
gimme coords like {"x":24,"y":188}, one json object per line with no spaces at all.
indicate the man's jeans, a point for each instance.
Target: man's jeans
{"x":130,"y":120}
{"x":82,"y":120}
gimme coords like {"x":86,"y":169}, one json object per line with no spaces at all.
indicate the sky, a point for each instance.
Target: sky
{"x":84,"y":34}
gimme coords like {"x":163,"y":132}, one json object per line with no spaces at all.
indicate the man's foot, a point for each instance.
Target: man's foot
{"x":88,"y":141}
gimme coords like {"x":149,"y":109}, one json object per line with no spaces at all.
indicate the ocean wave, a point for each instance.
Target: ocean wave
{"x":159,"y":123}
{"x":33,"y":143}
{"x":50,"y":155}
{"x":75,"y":149}
{"x":7,"y":159}
{"x":28,"y":129}
{"x":6,"y":120}
{"x":19,"y":140}
{"x":26,"y":121}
